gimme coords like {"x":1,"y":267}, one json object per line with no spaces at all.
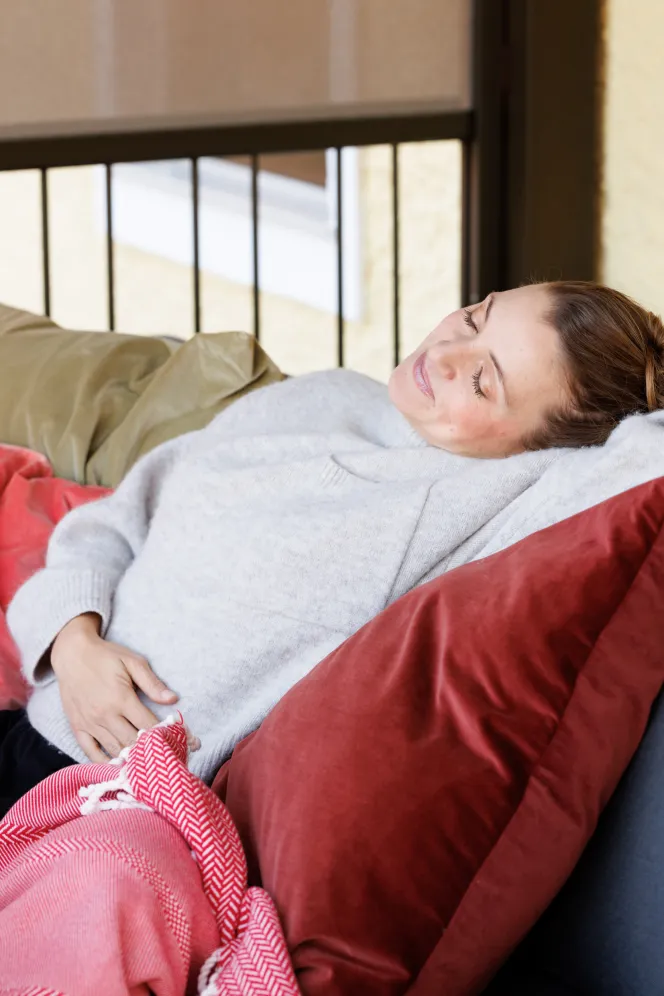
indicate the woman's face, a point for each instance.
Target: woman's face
{"x":485,"y":377}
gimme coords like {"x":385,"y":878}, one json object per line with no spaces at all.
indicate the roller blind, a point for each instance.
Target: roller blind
{"x":70,"y":66}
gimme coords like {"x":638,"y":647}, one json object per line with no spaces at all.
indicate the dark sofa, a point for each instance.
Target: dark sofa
{"x":604,"y":934}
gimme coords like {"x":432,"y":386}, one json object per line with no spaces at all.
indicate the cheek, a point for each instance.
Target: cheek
{"x":467,"y":416}
{"x":473,"y":420}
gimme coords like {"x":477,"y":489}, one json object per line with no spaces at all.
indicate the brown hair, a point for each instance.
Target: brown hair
{"x":613,"y":351}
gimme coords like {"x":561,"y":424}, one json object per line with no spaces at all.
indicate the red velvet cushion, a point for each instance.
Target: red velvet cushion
{"x":416,"y":801}
{"x":32,"y":501}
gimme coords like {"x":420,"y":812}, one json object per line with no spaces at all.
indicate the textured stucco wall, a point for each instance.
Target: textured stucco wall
{"x":632,"y":230}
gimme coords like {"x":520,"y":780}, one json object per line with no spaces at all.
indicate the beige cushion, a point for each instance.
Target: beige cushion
{"x":94,"y":402}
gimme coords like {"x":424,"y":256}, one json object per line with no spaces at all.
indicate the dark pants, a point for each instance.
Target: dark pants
{"x":26,"y":758}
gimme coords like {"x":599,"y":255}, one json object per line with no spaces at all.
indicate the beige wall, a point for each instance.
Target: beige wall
{"x":633,"y":216}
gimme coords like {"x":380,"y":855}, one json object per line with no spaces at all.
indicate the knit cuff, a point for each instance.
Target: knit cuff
{"x":46,"y":603}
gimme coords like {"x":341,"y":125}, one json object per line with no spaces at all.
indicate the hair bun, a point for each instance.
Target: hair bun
{"x":654,"y":363}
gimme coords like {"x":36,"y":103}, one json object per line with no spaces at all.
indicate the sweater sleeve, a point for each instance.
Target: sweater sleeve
{"x":89,"y":551}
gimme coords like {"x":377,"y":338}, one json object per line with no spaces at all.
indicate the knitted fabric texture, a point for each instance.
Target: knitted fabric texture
{"x":236,"y":558}
{"x":148,"y":785}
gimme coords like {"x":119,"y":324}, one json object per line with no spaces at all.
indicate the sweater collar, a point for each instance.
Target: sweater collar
{"x":404,"y":434}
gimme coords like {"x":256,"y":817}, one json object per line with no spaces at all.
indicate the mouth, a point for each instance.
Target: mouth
{"x":421,"y":377}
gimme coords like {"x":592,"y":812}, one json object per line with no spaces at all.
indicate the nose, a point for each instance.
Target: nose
{"x":449,"y":357}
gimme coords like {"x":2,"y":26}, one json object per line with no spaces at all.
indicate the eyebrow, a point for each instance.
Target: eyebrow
{"x":498,"y":368}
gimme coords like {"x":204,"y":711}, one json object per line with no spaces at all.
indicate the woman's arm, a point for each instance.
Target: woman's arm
{"x":59,"y":616}
{"x":88,"y":553}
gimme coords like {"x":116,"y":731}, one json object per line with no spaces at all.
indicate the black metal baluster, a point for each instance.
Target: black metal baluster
{"x":109,"y":247}
{"x":197,"y":272}
{"x":340,"y":264}
{"x":46,"y":258}
{"x":395,"y":253}
{"x":254,"y":223}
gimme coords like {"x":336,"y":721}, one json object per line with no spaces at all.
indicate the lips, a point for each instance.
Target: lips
{"x":420,"y":376}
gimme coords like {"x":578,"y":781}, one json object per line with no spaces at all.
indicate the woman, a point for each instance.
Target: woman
{"x":230,"y":561}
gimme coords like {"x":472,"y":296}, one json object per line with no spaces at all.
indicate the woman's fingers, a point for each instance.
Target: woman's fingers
{"x":144,"y":678}
{"x":98,"y":688}
{"x":107,"y":740}
{"x":139,"y":715}
{"x":90,"y":747}
{"x":122,"y":730}
{"x":118,"y":732}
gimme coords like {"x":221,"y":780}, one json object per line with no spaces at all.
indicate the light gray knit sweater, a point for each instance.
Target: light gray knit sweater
{"x":236,"y":558}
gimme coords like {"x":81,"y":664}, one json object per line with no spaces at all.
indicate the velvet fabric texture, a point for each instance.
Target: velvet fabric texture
{"x":416,"y":802}
{"x":32,"y":501}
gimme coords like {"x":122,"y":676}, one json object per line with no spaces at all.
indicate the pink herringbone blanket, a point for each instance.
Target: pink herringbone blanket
{"x":130,"y":878}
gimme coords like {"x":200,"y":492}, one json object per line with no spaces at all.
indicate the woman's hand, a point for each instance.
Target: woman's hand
{"x":98,"y":682}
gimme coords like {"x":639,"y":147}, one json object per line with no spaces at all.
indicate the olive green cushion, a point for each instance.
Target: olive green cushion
{"x":94,"y":402}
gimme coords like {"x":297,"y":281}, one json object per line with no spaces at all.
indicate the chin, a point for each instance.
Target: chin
{"x":394,"y":389}
{"x":403,"y":396}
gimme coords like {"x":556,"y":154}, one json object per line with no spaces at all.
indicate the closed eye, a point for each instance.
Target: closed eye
{"x":476,"y":384}
{"x":468,"y":319}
